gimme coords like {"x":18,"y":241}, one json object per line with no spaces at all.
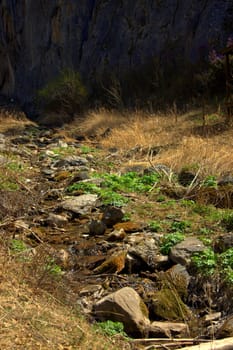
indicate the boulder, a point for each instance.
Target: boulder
{"x":182,"y":252}
{"x":226,"y":330}
{"x":126,"y":306}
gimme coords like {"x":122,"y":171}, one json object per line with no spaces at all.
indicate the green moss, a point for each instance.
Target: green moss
{"x":168,"y":305}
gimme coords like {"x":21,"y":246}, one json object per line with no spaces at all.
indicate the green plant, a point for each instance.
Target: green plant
{"x":66,"y":93}
{"x":53,"y":268}
{"x":227,"y":221}
{"x":205,"y":261}
{"x":169,"y":240}
{"x":126,"y":217}
{"x":155,"y":226}
{"x":160,"y":198}
{"x":17,"y":246}
{"x":180,"y":226}
{"x":130,"y":182}
{"x":107,"y":195}
{"x":226,"y":258}
{"x":86,"y":149}
{"x":111,"y":328}
{"x":210,"y":181}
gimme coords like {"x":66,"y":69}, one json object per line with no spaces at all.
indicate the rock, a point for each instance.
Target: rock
{"x":167,"y":304}
{"x":226,"y":330}
{"x":178,"y":277}
{"x":74,"y":161}
{"x":97,"y":228}
{"x":129,"y":226}
{"x":137,"y":37}
{"x":226,"y":180}
{"x":112,"y":215}
{"x":55,"y":220}
{"x":116,"y":235}
{"x":147,"y":251}
{"x":182,"y":252}
{"x":223,"y":242}
{"x":210,"y":318}
{"x":114,"y":264}
{"x":80,"y":176}
{"x":80,"y":205}
{"x":159,"y":329}
{"x":124,"y":306}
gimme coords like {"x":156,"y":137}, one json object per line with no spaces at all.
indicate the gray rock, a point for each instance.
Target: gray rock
{"x":74,"y":161}
{"x":146,"y":252}
{"x":168,"y":330}
{"x":182,"y":252}
{"x":223,"y":242}
{"x":55,"y":220}
{"x":80,"y":205}
{"x":226,"y":180}
{"x":124,"y":306}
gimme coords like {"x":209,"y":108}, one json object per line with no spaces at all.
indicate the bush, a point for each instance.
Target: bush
{"x":65,"y":94}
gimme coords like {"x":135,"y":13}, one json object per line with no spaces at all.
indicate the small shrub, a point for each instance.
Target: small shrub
{"x":64,"y":94}
{"x":169,"y":240}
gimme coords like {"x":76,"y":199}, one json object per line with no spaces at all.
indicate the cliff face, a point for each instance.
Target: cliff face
{"x":39,"y":37}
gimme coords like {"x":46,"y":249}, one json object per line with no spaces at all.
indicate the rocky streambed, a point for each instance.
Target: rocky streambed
{"x":114,"y":255}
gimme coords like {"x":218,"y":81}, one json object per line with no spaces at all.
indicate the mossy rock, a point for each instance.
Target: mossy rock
{"x":167,"y":304}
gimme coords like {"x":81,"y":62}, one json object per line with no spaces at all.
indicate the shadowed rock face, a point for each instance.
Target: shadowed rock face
{"x":39,"y":38}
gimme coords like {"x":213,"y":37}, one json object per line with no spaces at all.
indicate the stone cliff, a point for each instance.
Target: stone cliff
{"x":39,"y":37}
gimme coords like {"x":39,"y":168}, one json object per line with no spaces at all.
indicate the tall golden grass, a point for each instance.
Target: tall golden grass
{"x":181,"y":139}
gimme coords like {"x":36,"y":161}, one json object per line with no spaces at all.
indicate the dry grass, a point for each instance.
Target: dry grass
{"x":10,"y":121}
{"x":32,"y":318}
{"x":181,"y":140}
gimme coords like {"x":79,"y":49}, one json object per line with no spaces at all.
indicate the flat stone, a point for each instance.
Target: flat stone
{"x":80,"y":205}
{"x":165,"y":329}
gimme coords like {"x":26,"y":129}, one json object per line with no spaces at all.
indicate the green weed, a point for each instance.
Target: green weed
{"x":210,"y":181}
{"x":227,"y":221}
{"x":180,"y":226}
{"x":169,"y":240}
{"x":205,"y":262}
{"x":17,"y":246}
{"x":53,"y":268}
{"x":111,"y":328}
{"x":86,"y":149}
{"x":155,"y":226}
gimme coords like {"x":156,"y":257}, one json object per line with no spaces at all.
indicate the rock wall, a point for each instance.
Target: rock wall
{"x":40,"y":37}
